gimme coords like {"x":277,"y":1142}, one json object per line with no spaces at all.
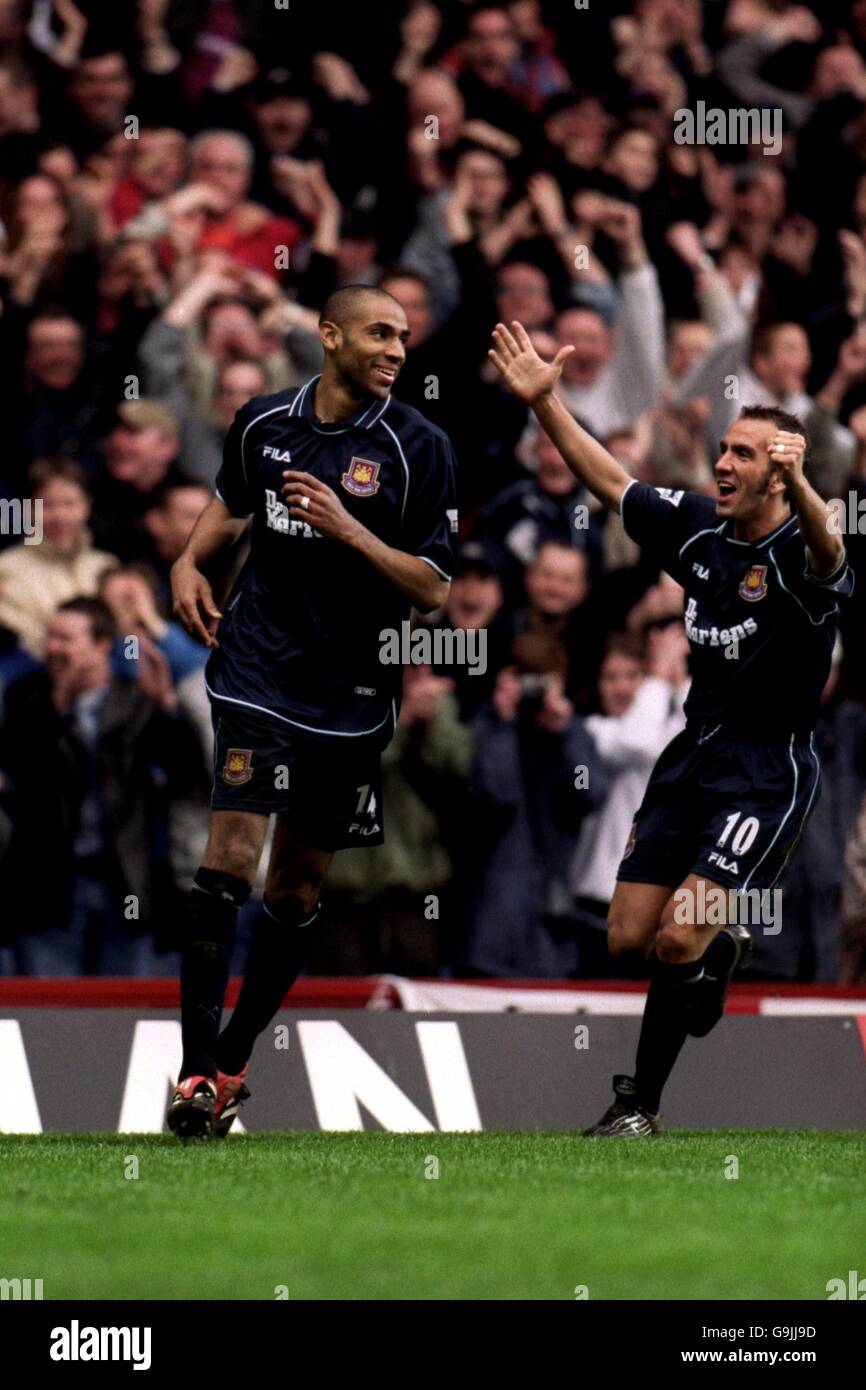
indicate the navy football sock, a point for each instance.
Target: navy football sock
{"x":211,"y":913}
{"x":663,"y":1030}
{"x":719,"y":956}
{"x":279,"y":947}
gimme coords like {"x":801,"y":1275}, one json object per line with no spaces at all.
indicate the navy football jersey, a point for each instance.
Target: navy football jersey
{"x":760,"y":625}
{"x":300,"y":635}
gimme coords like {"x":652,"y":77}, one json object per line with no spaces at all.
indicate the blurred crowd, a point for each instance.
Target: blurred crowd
{"x":182,"y":183}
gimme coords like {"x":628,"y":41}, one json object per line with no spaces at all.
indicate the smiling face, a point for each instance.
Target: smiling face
{"x":65,"y":509}
{"x":223,"y":162}
{"x":746,"y":481}
{"x":634,"y":158}
{"x":55,"y":351}
{"x":367,"y":351}
{"x":557,"y":581}
{"x":587,"y":332}
{"x":552,"y":472}
{"x":486,"y":180}
{"x":414,"y":299}
{"x":782,"y":363}
{"x":618,"y":683}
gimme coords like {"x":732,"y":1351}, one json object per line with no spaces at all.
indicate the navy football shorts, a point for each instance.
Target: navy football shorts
{"x":329,"y":789}
{"x":722,"y":808}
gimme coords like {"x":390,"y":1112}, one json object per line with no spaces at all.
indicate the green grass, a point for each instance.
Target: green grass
{"x":511,"y":1216}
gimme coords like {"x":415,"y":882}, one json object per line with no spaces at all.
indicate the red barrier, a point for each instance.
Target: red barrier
{"x":343,"y":992}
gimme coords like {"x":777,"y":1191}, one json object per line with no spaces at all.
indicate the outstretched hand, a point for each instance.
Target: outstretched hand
{"x":525,"y":374}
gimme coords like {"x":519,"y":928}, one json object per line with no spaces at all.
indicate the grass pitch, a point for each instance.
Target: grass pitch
{"x":510,"y":1215}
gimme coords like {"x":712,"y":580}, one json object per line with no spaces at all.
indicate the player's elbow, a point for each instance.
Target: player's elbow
{"x":434,"y":594}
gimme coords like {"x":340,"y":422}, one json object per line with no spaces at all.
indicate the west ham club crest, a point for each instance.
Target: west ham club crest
{"x":361,"y":477}
{"x":754,"y":584}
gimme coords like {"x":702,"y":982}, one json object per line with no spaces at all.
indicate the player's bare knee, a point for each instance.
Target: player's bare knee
{"x":674,"y":942}
{"x":294,"y":904}
{"x":623,"y":938}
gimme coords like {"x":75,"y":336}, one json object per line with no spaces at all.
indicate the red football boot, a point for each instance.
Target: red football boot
{"x":231,"y":1094}
{"x":191,"y":1111}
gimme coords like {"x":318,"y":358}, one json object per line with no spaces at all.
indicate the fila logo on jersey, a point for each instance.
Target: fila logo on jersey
{"x":754,"y":584}
{"x":701,"y":571}
{"x":278,"y":455}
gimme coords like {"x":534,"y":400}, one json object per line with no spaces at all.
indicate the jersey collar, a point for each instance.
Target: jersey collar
{"x":727,"y":526}
{"x":366,"y":416}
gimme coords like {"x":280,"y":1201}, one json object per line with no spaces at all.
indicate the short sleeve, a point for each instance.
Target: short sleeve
{"x":818,"y":596}
{"x":664,"y":519}
{"x":430,"y":521}
{"x":233,"y":484}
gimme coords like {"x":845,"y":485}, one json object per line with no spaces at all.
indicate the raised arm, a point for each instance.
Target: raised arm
{"x":533,"y":380}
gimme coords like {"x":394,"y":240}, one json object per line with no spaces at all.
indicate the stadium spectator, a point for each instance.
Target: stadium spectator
{"x":211,"y":323}
{"x":548,"y":506}
{"x":385,"y":910}
{"x":61,"y":400}
{"x":130,"y":592}
{"x":474,"y":606}
{"x":56,"y":563}
{"x":640,"y":700}
{"x":86,"y":763}
{"x":536,"y":776}
{"x":222,"y":162}
{"x":809,"y":945}
{"x":616,"y":372}
{"x":175,"y":509}
{"x":140,"y":457}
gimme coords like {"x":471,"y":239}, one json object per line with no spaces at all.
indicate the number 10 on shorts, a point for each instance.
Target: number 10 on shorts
{"x":736,"y":838}
{"x":743,"y":837}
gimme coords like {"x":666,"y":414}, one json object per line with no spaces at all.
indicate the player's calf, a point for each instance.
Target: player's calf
{"x":279,"y":948}
{"x":727,"y":953}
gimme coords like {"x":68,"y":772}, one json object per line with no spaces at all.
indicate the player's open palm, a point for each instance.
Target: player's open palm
{"x":525,"y":374}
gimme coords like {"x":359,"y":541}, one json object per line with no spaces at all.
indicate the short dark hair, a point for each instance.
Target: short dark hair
{"x":783,"y":420}
{"x":762,"y":338}
{"x":46,"y":470}
{"x":498,"y":6}
{"x":98,"y":615}
{"x":178,"y":482}
{"x":629,"y":644}
{"x":404,"y":272}
{"x":54,"y":312}
{"x":537,"y":653}
{"x":340,"y":306}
